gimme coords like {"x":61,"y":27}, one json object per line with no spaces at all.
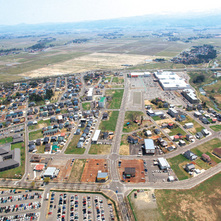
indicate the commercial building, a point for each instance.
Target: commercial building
{"x":139,"y":74}
{"x":163,"y":164}
{"x":102,"y":176}
{"x":101,"y":102}
{"x":129,"y":172}
{"x":170,"y":81}
{"x":9,"y":159}
{"x":190,"y":95}
{"x":96,"y":136}
{"x":90,"y":94}
{"x":188,"y":125}
{"x":51,"y":172}
{"x":149,"y":146}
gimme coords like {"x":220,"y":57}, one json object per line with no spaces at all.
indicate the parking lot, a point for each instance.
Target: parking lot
{"x":20,"y":204}
{"x":79,"y":206}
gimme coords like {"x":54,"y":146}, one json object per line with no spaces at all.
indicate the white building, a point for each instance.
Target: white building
{"x":170,"y":81}
{"x":51,"y":172}
{"x":188,"y":125}
{"x":149,"y":146}
{"x":139,"y":74}
{"x":163,"y":164}
{"x":90,"y":94}
{"x":96,"y":136}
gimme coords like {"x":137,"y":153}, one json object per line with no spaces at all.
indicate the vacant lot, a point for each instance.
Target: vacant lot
{"x":35,"y":135}
{"x":144,"y":206}
{"x":40,"y":124}
{"x":176,"y":130}
{"x":86,"y":106}
{"x":91,"y":168}
{"x":72,"y":147}
{"x":179,"y":161}
{"x":77,"y":171}
{"x":124,"y":146}
{"x":196,"y":126}
{"x":139,"y":170}
{"x":110,"y":124}
{"x":199,"y":203}
{"x":216,"y":127}
{"x":6,"y":140}
{"x":116,"y":95}
{"x":101,"y":149}
{"x":131,"y":121}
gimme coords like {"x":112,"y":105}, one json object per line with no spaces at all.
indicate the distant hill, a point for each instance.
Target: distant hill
{"x":147,"y":22}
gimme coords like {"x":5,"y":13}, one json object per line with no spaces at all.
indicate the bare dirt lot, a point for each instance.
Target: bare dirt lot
{"x":144,"y":206}
{"x":77,"y":171}
{"x":91,"y":168}
{"x":89,"y":62}
{"x":139,"y":170}
{"x":65,"y":169}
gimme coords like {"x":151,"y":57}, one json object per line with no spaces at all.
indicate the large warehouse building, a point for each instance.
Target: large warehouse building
{"x":138,"y":74}
{"x":170,"y":81}
{"x":149,"y":146}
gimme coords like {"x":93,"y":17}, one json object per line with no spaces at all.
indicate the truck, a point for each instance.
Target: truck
{"x":47,"y":196}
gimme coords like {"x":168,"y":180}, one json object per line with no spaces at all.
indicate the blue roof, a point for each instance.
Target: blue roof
{"x":149,"y":144}
{"x":102,"y":175}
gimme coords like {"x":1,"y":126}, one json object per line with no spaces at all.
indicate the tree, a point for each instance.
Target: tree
{"x":46,"y":180}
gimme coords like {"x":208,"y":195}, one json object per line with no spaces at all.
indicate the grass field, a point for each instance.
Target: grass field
{"x":216,"y":127}
{"x":6,"y":140}
{"x":72,"y":147}
{"x":77,"y":171}
{"x":199,"y":203}
{"x":35,"y":135}
{"x":110,"y":124}
{"x":124,"y":146}
{"x":18,"y":171}
{"x":101,"y":149}
{"x":40,"y":124}
{"x":130,"y":116}
{"x":86,"y":106}
{"x":155,"y":118}
{"x":177,"y":130}
{"x":117,"y":96}
{"x":196,"y":126}
{"x":175,"y":164}
{"x":118,"y":80}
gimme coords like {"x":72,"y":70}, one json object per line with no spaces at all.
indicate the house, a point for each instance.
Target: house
{"x":105,"y":135}
{"x":46,"y":140}
{"x":105,"y":116}
{"x":199,"y":135}
{"x":173,"y":112}
{"x":190,"y":155}
{"x":129,"y":172}
{"x":132,"y":140}
{"x":217,"y":152}
{"x":39,"y":167}
{"x":197,"y":114}
{"x":156,"y":131}
{"x":205,"y":157}
{"x":101,"y":103}
{"x":148,"y":133}
{"x":182,"y":143}
{"x":188,"y":125}
{"x":189,"y":167}
{"x":47,"y":147}
{"x":149,"y":146}
{"x":38,"y":142}
{"x":176,"y":137}
{"x":189,"y":137}
{"x":205,"y":132}
{"x":170,"y":126}
{"x":78,"y":131}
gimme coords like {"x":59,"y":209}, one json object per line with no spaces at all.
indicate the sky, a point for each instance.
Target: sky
{"x":42,"y":11}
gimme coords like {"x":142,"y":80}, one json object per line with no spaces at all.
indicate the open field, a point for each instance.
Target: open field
{"x":91,"y":168}
{"x":36,"y":134}
{"x":124,"y":146}
{"x":110,"y":124}
{"x":176,"y":130}
{"x":6,"y":140}
{"x":117,"y":96}
{"x":130,"y":117}
{"x":76,"y":171}
{"x":144,"y":207}
{"x":86,"y":106}
{"x":40,"y":124}
{"x":139,"y":170}
{"x":99,"y":149}
{"x":199,"y":203}
{"x":196,"y":126}
{"x":18,"y":171}
{"x":216,"y":127}
{"x":179,"y":161}
{"x":72,"y":147}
